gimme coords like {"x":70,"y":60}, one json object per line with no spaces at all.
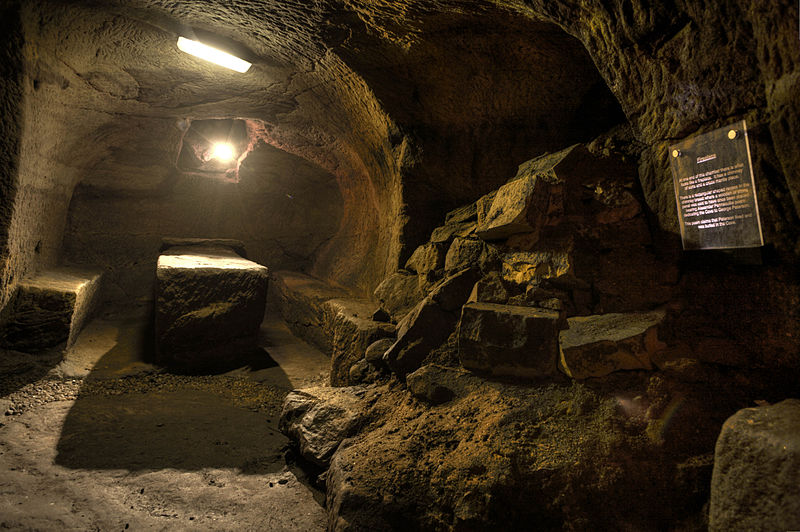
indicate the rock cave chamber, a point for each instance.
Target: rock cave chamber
{"x":436,"y":282}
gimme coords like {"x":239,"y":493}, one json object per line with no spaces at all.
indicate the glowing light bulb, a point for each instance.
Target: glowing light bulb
{"x":222,"y":151}
{"x":204,"y":51}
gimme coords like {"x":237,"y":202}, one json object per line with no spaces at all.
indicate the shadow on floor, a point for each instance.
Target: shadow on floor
{"x":132,"y":416}
{"x":18,"y":369}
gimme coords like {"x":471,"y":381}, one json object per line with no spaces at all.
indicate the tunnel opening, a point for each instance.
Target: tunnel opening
{"x":476,"y":94}
{"x":214,"y":147}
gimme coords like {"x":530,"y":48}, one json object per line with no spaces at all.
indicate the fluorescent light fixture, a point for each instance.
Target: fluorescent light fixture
{"x":222,"y":151}
{"x":204,"y":51}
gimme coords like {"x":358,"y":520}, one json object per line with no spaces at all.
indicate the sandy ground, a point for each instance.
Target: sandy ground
{"x":102,"y":440}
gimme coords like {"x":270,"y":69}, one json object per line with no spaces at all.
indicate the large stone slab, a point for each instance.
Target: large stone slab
{"x":508,"y":340}
{"x":320,"y":418}
{"x":756,"y":480}
{"x":210,"y":302}
{"x":49,"y":308}
{"x":594,"y":346}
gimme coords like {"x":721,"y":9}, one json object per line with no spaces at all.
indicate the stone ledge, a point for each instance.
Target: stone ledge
{"x":51,"y":307}
{"x":331,"y":318}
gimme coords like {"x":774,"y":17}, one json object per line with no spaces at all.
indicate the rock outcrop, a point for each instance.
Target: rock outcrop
{"x":756,"y":465}
{"x":456,"y":451}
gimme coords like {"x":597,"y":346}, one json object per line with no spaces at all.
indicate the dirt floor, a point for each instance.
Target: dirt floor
{"x":102,"y":440}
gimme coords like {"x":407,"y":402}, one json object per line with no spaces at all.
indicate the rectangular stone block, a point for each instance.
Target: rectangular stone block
{"x":51,"y":307}
{"x":209,"y":306}
{"x":508,"y":340}
{"x":594,"y":346}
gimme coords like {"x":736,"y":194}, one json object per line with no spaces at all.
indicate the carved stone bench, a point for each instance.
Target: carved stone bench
{"x":50,"y":307}
{"x":330,"y":317}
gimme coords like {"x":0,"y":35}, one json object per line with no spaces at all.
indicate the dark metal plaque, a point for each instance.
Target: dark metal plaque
{"x":717,"y":205}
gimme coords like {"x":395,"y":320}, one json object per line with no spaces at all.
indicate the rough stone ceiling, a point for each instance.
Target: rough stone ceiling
{"x":406,"y":103}
{"x":415,"y":106}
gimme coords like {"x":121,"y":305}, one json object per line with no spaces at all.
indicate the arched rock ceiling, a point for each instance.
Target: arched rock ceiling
{"x":413,"y":105}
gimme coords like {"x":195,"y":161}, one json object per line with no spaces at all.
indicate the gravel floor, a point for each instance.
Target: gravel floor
{"x":101,"y":440}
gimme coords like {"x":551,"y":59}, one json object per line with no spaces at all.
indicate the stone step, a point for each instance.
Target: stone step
{"x":210,"y":303}
{"x":330,"y":317}
{"x":50,"y":307}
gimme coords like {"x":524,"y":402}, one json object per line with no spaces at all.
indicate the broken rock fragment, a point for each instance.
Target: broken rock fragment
{"x":427,"y":258}
{"x":467,"y":213}
{"x":490,"y":289}
{"x":534,"y":197}
{"x":482,"y":207}
{"x":453,"y":292}
{"x":319,"y":418}
{"x":523,"y":267}
{"x":470,"y":253}
{"x":422,"y":330}
{"x":446,"y":233}
{"x":430,"y":323}
{"x":594,"y":346}
{"x":398,"y":293}
{"x":375,"y":351}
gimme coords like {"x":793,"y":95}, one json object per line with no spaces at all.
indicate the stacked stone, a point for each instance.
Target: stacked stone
{"x":550,"y":272}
